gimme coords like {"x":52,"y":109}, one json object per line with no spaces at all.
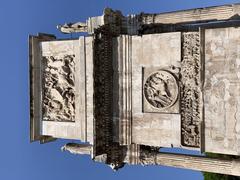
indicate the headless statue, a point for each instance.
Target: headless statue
{"x":68,"y":28}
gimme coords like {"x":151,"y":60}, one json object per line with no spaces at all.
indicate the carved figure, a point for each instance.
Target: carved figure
{"x":58,"y":95}
{"x":72,"y":27}
{"x":190,"y":92}
{"x":157,"y":89}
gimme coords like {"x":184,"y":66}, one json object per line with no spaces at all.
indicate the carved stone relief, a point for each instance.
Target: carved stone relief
{"x":190,"y":89}
{"x":58,"y":85}
{"x":161,"y":89}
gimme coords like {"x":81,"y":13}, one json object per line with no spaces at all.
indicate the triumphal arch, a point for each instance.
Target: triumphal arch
{"x":140,"y":82}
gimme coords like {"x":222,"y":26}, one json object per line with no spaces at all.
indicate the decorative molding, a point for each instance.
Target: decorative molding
{"x":35,"y":87}
{"x":102,"y":74}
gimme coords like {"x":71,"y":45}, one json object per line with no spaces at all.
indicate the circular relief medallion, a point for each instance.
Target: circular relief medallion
{"x":161,"y":89}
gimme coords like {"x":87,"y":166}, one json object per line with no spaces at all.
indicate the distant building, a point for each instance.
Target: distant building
{"x":141,"y":82}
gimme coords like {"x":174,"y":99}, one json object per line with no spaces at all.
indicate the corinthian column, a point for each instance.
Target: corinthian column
{"x":199,"y":163}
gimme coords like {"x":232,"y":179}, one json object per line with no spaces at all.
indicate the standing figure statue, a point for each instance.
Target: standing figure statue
{"x":68,"y":28}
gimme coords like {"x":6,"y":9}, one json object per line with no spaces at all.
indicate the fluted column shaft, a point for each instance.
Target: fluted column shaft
{"x":199,"y":163}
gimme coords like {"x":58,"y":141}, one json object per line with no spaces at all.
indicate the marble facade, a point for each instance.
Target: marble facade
{"x":141,"y":82}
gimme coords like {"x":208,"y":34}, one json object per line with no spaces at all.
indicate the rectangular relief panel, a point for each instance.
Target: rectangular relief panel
{"x":191,"y":90}
{"x":63,"y":78}
{"x":222,"y":90}
{"x":58,"y":78}
{"x":61,"y":93}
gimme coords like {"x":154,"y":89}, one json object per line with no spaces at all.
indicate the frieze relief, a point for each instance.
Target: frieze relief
{"x":58,"y":88}
{"x":190,"y":89}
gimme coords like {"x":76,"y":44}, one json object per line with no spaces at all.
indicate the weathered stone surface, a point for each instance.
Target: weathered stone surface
{"x":58,"y":85}
{"x":222,"y":91}
{"x":200,"y":163}
{"x":150,"y":53}
{"x":122,"y":89}
{"x":89,"y":88}
{"x":73,"y":27}
{"x":35,"y":86}
{"x":193,"y":15}
{"x":161,"y":89}
{"x":155,"y":129}
{"x":128,"y":95}
{"x":78,"y":148}
{"x":73,"y":79}
{"x":190,"y":88}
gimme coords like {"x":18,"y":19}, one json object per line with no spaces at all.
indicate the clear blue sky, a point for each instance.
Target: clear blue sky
{"x":20,"y":160}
